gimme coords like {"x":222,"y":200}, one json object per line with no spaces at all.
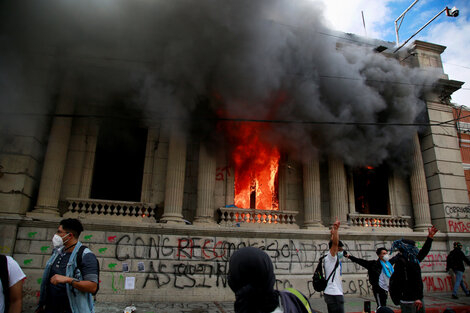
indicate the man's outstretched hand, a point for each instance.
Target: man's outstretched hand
{"x":432,"y":231}
{"x":335,"y":226}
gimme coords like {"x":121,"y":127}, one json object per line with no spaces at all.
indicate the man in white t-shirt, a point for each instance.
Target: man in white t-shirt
{"x":12,"y":283}
{"x":333,"y":293}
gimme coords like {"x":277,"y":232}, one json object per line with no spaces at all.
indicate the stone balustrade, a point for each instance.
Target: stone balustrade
{"x":110,"y":209}
{"x":378,"y":221}
{"x":252,"y":217}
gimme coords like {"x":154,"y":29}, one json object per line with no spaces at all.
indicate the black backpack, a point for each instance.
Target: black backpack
{"x":5,"y":280}
{"x":319,"y":281}
{"x":79,"y":264}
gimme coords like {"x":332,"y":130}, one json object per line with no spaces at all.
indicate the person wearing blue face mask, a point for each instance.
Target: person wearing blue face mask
{"x":379,"y":272}
{"x":333,"y":292}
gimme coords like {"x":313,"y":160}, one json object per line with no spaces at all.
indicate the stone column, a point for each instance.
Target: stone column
{"x":282,"y":183}
{"x":89,"y":162}
{"x":56,"y":153}
{"x":146,"y":194}
{"x":230,"y":186}
{"x":205,"y":187}
{"x":174,"y":187}
{"x":338,"y":191}
{"x":419,"y":190}
{"x":351,"y":196}
{"x":392,"y":194}
{"x":312,"y":199}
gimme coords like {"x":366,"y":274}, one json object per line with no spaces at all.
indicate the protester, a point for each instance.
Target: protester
{"x":455,"y":261}
{"x":11,"y":287}
{"x":406,"y":284}
{"x":251,"y":277}
{"x":333,"y":293}
{"x":69,"y":289}
{"x":379,"y":272}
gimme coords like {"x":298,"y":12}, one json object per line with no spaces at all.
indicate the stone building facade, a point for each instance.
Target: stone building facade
{"x":461,"y":114}
{"x":173,"y":222}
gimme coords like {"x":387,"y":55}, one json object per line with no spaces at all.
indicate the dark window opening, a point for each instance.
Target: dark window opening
{"x":371,"y":190}
{"x":119,"y":162}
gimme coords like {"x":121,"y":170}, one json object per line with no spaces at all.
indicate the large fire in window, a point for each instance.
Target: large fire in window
{"x":256,"y":165}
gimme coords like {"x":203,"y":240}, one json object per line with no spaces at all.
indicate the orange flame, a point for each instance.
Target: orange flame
{"x":255,"y":160}
{"x":256,"y":165}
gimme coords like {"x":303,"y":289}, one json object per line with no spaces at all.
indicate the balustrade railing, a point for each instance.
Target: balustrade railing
{"x":379,"y":221}
{"x":110,"y":209}
{"x":253,"y":217}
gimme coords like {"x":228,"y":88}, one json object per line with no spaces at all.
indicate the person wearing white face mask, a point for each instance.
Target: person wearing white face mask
{"x":71,"y":275}
{"x":379,"y":272}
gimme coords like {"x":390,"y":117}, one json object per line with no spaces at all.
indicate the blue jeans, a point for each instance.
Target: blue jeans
{"x":459,"y":282}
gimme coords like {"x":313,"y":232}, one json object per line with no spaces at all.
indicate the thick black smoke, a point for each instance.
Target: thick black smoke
{"x":195,"y":60}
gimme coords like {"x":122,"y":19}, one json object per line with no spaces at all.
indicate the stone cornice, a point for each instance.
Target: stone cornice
{"x":445,"y":88}
{"x":422,"y":45}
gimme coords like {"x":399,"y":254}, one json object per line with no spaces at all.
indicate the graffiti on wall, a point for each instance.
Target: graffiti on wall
{"x":456,"y":211}
{"x":222,"y":172}
{"x":191,"y":262}
{"x":435,"y":261}
{"x":457,"y":226}
{"x":198,"y":262}
{"x":437,"y":284}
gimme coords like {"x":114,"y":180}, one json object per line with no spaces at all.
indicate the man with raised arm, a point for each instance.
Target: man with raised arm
{"x":333,"y":293}
{"x":406,"y":283}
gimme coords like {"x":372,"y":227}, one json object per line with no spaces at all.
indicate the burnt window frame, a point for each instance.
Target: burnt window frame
{"x":379,"y":183}
{"x":113,"y":158}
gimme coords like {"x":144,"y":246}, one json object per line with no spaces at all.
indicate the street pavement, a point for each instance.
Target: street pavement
{"x":434,"y":303}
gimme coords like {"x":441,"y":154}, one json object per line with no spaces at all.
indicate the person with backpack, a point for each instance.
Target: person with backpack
{"x":333,"y":293}
{"x":379,"y":272}
{"x":455,"y":261}
{"x":71,"y":276}
{"x":251,"y":277}
{"x":11,"y":286}
{"x":406,"y":284}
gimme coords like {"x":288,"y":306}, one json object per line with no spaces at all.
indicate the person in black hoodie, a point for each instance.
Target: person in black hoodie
{"x":455,"y":261}
{"x":251,"y":277}
{"x":406,"y":284}
{"x":379,"y":272}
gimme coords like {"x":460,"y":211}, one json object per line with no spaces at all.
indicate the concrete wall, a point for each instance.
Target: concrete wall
{"x":445,"y":175}
{"x":190,"y":263}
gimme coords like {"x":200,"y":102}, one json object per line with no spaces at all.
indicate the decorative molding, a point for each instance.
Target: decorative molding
{"x":379,"y":221}
{"x":110,"y":209}
{"x":259,"y":218}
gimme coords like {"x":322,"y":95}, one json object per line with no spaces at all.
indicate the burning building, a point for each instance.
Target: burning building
{"x":176,"y":141}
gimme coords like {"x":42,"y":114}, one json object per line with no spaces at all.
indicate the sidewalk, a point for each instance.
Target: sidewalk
{"x":435,"y":303}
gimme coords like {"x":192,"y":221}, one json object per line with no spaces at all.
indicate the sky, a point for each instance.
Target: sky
{"x":379,"y":16}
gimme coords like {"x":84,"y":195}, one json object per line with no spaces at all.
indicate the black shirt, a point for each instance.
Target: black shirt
{"x":57,"y":299}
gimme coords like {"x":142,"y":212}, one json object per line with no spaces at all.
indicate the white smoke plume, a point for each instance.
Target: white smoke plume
{"x":190,"y":60}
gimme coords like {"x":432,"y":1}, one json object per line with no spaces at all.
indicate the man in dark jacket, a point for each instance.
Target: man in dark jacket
{"x":455,"y":261}
{"x":379,"y":272}
{"x":406,"y":284}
